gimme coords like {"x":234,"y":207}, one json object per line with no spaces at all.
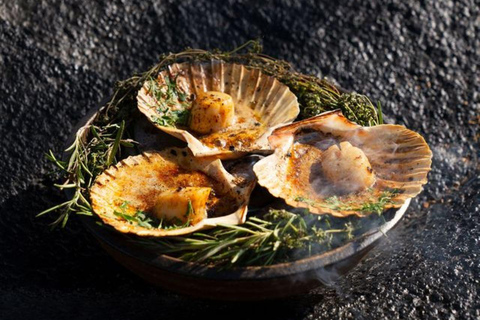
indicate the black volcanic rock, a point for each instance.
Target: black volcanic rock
{"x":420,"y":59}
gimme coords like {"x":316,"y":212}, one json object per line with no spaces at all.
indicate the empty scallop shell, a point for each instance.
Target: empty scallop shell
{"x":261,"y":103}
{"x":399,"y":159}
{"x":139,"y":180}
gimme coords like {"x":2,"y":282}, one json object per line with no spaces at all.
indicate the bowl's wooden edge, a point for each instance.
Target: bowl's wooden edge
{"x":236,"y":289}
{"x":327,"y":259}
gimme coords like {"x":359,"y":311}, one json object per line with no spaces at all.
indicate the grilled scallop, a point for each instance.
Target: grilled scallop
{"x":218,"y":108}
{"x":171,"y":193}
{"x":331,"y":165}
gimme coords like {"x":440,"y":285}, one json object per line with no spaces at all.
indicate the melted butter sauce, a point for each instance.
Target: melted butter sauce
{"x":240,"y":136}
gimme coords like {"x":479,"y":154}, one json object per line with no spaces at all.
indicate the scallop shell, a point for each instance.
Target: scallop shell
{"x":255,"y":95}
{"x":138,"y":179}
{"x":400,"y":158}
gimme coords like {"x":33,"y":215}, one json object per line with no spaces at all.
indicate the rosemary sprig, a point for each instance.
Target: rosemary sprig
{"x":87,"y":159}
{"x":278,"y":236}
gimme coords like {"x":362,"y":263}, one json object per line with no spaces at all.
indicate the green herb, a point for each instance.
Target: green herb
{"x":143,"y":219}
{"x":173,"y":224}
{"x":306,"y":200}
{"x":278,"y":236}
{"x":169,"y":98}
{"x":171,"y":118}
{"x":378,"y":206}
{"x":116,"y":143}
{"x":87,"y":159}
{"x":380,"y":113}
{"x":139,"y":218}
{"x":176,"y":223}
{"x":335,"y":203}
{"x":358,"y":108}
{"x":189,"y":209}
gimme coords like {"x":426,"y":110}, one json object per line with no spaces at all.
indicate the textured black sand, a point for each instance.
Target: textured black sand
{"x":419,"y":58}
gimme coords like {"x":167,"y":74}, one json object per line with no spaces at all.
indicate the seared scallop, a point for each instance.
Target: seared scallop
{"x":171,"y":193}
{"x":220,"y":109}
{"x":329,"y":164}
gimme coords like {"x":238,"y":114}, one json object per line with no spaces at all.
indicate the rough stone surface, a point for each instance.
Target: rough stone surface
{"x":419,"y":58}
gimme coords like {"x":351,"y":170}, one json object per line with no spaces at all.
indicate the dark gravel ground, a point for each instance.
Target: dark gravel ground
{"x":419,"y":58}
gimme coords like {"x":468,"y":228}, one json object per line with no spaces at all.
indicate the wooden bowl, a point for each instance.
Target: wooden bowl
{"x":242,"y":283}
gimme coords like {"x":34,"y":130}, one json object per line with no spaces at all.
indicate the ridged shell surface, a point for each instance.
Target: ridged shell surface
{"x":138,"y":180}
{"x":400,"y":160}
{"x":261,"y":102}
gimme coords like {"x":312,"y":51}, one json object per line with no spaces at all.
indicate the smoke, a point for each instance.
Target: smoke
{"x":317,"y":139}
{"x":328,"y":268}
{"x":328,"y":276}
{"x":319,"y":183}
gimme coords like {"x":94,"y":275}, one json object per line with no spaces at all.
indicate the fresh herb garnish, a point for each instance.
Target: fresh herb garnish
{"x":139,"y":218}
{"x":189,"y":209}
{"x":305,"y":200}
{"x":172,"y":105}
{"x":335,"y":203}
{"x":277,"y":236}
{"x":143,"y":219}
{"x":171,"y":118}
{"x":87,"y":159}
{"x":175,"y":223}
